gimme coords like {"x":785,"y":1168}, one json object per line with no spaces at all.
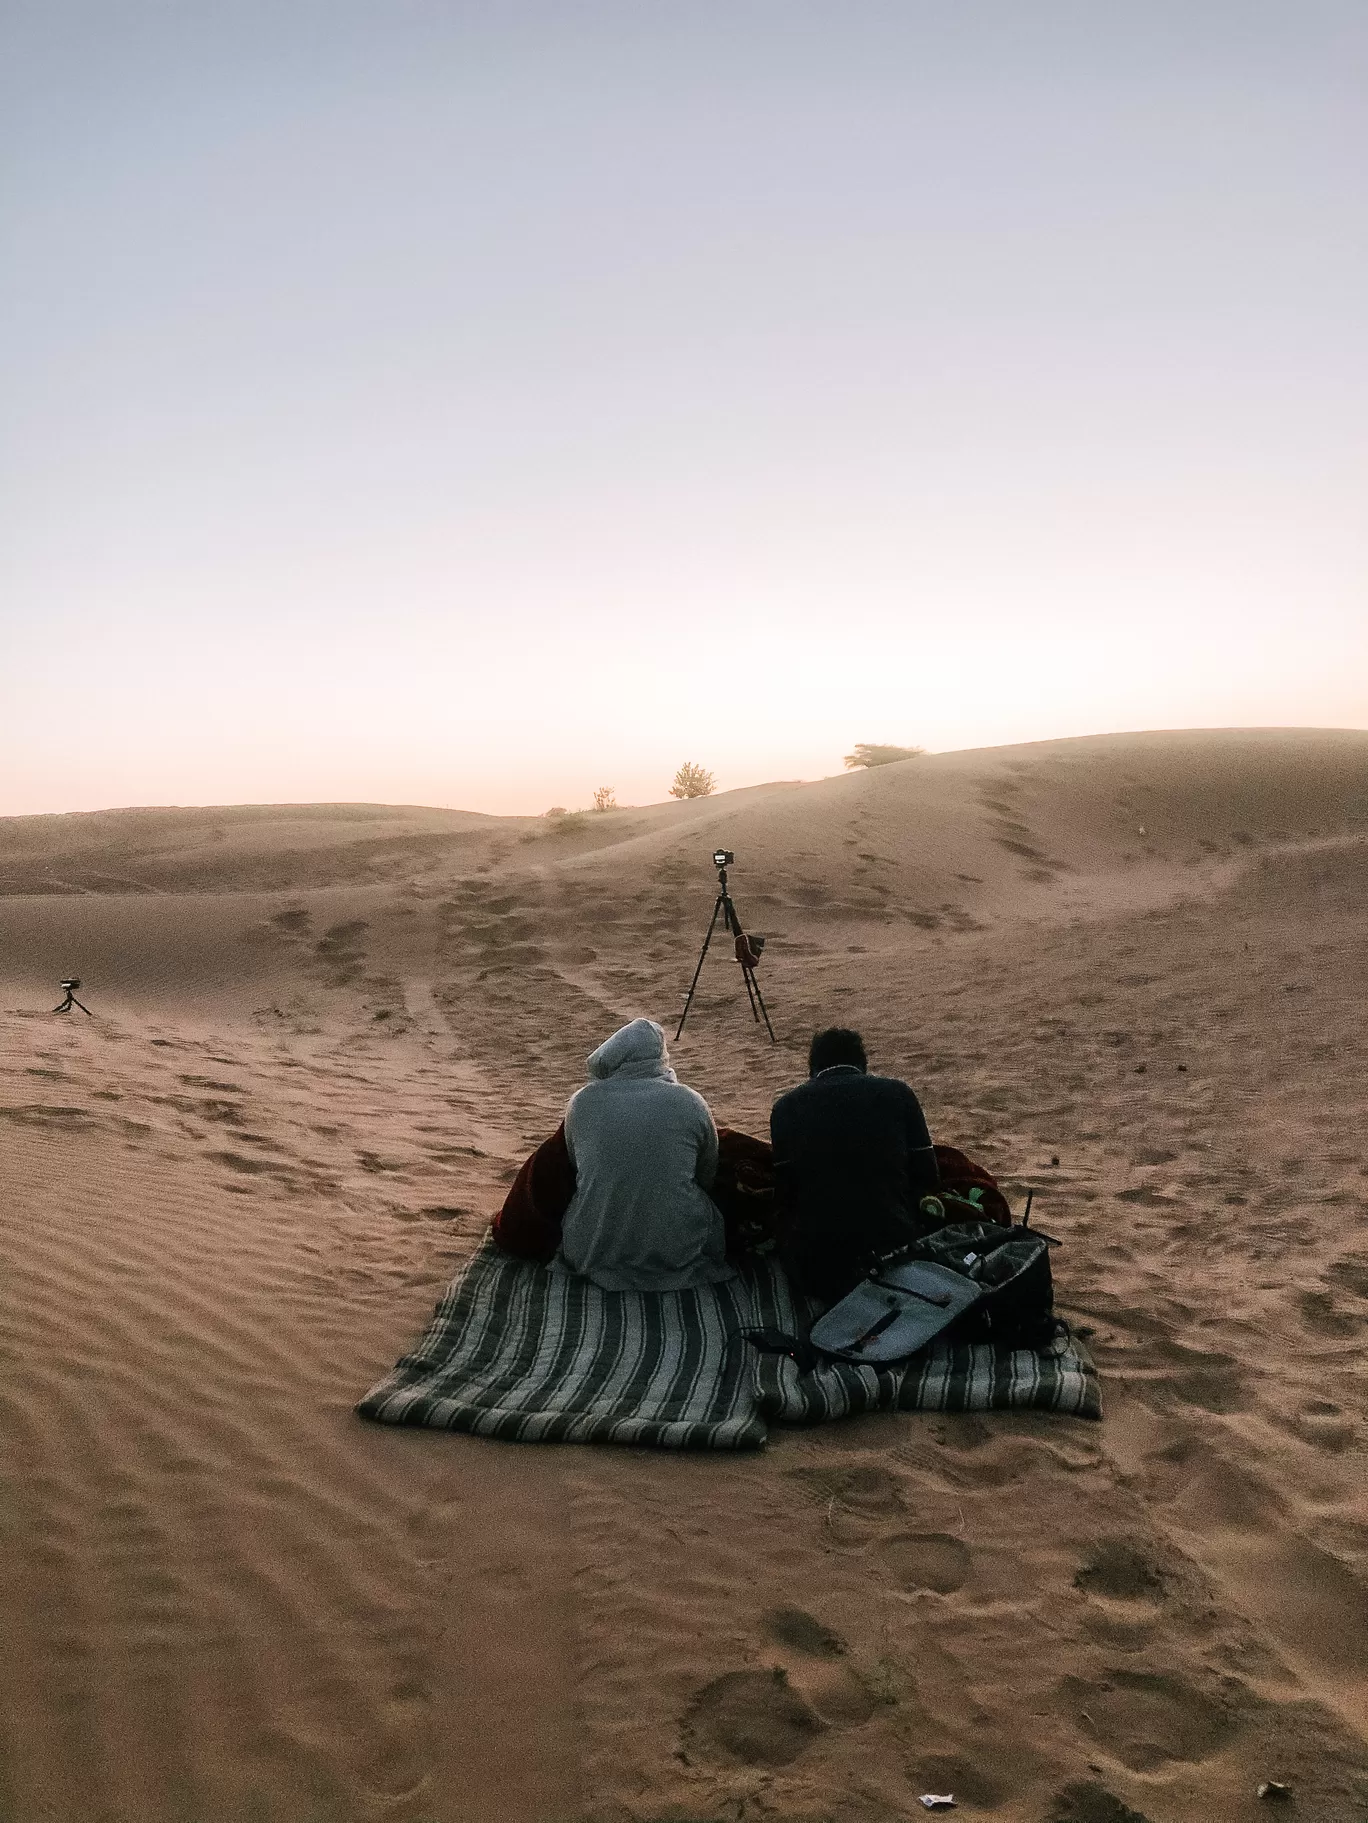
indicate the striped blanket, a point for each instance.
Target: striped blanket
{"x":534,"y":1354}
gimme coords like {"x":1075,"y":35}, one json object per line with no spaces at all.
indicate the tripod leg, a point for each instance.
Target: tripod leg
{"x":688,"y":998}
{"x":749,"y":979}
{"x":84,"y":1009}
{"x":760,"y":997}
{"x":753,"y":994}
{"x":732,"y":925}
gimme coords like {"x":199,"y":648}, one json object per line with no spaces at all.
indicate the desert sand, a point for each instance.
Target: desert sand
{"x":1128,"y":972}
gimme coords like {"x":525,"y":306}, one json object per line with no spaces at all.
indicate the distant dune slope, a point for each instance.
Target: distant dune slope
{"x":233,"y":848}
{"x":1076,"y":803}
{"x":949,"y":842}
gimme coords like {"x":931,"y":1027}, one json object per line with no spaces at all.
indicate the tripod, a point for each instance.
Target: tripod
{"x":746,"y":954}
{"x":71,"y":1000}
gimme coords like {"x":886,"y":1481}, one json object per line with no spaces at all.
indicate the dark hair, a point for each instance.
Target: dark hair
{"x":836,"y":1045}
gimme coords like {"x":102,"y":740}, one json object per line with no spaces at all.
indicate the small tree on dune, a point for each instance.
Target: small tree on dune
{"x":605,"y":798}
{"x":692,"y":782}
{"x":866,"y":755}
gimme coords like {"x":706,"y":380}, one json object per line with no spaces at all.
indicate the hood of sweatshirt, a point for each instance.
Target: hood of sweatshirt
{"x":635,"y":1050}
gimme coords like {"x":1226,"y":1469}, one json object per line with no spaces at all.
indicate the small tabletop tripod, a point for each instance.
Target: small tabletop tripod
{"x":71,"y":986}
{"x":747,"y":948}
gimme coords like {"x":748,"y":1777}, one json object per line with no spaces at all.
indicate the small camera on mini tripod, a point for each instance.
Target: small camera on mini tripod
{"x":70,"y":984}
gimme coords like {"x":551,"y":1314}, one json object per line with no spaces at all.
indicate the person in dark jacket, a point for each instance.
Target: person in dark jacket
{"x":852,"y":1161}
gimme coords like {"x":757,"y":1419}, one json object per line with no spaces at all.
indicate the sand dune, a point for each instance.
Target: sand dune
{"x":1128,"y":972}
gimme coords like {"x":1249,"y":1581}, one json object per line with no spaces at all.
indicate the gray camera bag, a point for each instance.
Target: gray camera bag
{"x":894,"y":1312}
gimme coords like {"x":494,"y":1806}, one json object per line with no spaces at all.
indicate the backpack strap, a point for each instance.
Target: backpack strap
{"x":779,"y":1342}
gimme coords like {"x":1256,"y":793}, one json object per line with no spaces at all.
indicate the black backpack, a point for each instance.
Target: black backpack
{"x":1015,"y":1307}
{"x":1006,"y":1271}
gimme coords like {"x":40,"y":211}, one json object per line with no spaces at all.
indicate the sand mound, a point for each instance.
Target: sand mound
{"x":1127,"y":972}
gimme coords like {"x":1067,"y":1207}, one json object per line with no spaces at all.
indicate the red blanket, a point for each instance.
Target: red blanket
{"x":960,"y":1172}
{"x":529,"y":1224}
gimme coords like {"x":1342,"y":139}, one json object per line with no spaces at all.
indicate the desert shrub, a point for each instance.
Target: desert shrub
{"x":867,"y":755}
{"x":692,"y":782}
{"x":605,"y":798}
{"x":556,"y":810}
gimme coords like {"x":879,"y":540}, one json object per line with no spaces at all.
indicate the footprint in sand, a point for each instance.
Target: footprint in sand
{"x":1147,"y":1719}
{"x":1126,"y":1589}
{"x":1120,"y":1571}
{"x":866,"y":1488}
{"x":1319,"y":1316}
{"x":751,"y":1716}
{"x":41,"y":1114}
{"x":1326,"y":1425}
{"x":340,"y":952}
{"x":1351,"y":1275}
{"x":855,"y":1499}
{"x":802,"y":1632}
{"x":832,"y":1689}
{"x":1088,"y":1802}
{"x":927,"y":1560}
{"x":1213,"y":1383}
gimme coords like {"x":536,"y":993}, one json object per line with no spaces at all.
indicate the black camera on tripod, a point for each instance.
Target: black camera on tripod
{"x":748,"y":948}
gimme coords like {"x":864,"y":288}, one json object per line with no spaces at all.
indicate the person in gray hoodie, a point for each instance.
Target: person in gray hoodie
{"x":644,"y":1149}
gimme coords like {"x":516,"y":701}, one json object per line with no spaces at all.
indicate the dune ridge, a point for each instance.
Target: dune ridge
{"x":1127,"y":972}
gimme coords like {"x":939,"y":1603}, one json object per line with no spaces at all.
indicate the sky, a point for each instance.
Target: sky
{"x":474,"y":404}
